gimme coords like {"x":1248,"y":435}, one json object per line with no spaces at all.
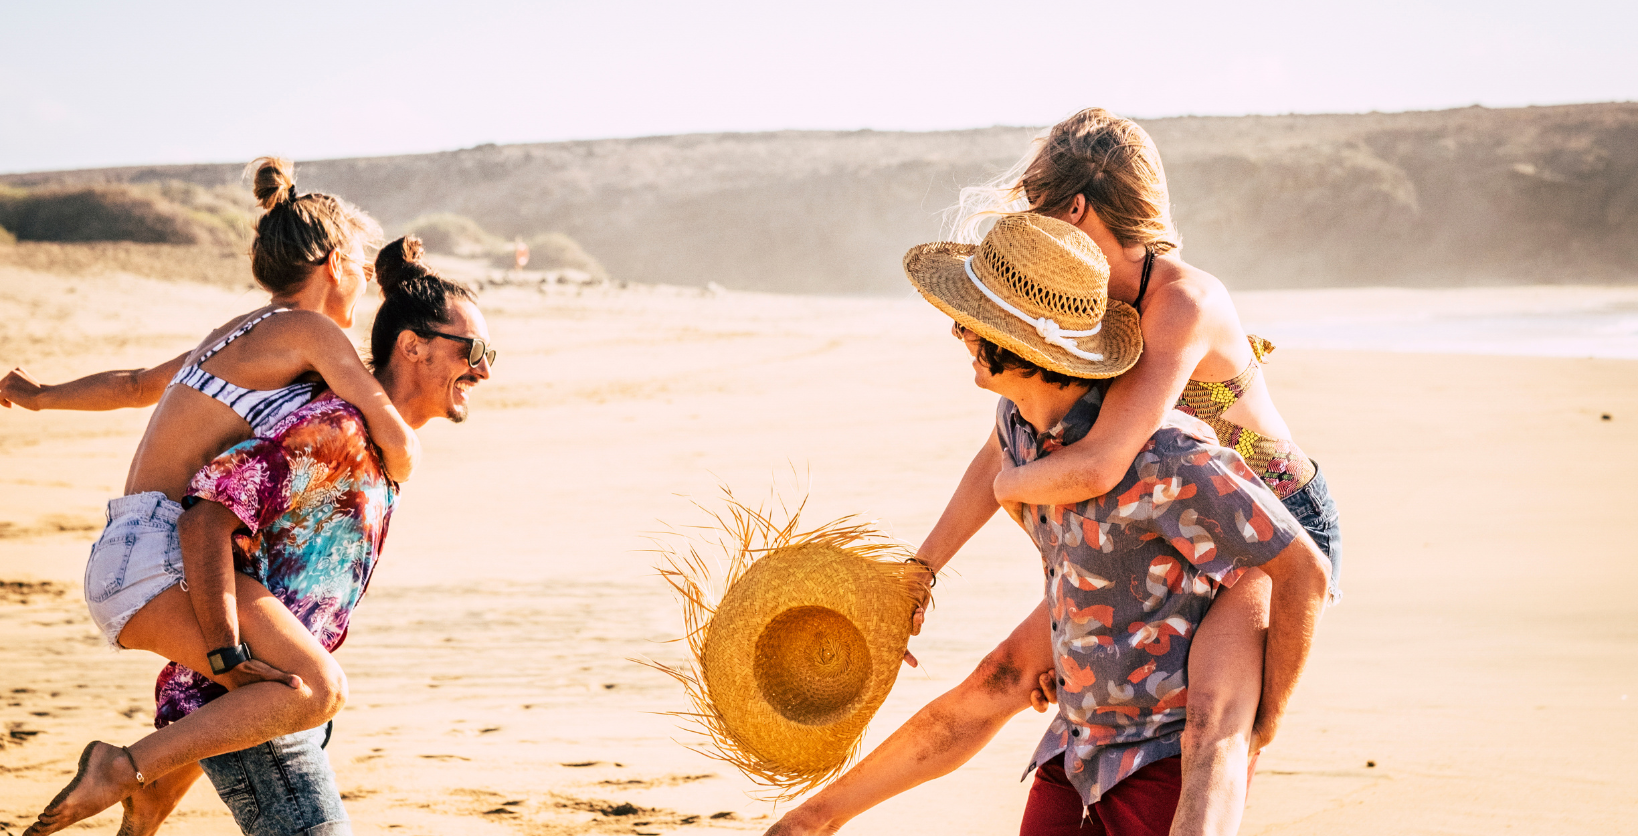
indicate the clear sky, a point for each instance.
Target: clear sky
{"x":104,"y":83}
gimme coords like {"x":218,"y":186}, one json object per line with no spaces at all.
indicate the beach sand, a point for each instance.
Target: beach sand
{"x":1480,"y":676}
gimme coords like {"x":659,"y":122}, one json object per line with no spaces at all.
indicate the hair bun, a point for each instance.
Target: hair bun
{"x":273,"y":180}
{"x":400,"y":262}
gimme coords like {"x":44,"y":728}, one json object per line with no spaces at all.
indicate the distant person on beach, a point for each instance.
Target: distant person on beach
{"x":1102,"y":175}
{"x":301,"y":514}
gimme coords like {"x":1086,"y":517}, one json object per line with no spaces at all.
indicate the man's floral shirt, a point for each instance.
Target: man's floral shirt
{"x":315,"y":502}
{"x":1129,"y":576}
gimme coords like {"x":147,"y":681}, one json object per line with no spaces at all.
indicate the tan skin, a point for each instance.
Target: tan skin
{"x":189,"y":428}
{"x":1190,"y":329}
{"x":294,"y":684}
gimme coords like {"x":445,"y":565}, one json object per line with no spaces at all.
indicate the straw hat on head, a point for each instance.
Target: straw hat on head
{"x":794,"y":658}
{"x":1037,"y":287}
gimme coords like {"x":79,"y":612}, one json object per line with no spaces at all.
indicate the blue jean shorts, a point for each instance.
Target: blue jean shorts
{"x":137,"y":557}
{"x":284,"y":787}
{"x":1317,"y":513}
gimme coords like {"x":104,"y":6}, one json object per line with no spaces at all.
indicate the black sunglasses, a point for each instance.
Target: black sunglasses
{"x":477,"y":350}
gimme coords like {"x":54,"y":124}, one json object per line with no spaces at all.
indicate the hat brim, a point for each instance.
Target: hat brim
{"x":939,"y":272}
{"x":871,"y":596}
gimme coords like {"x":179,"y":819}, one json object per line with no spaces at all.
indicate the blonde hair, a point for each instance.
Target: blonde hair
{"x":298,"y":232}
{"x":1105,"y":158}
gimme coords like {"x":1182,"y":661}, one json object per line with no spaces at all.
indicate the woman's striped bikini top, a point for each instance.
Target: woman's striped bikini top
{"x":262,"y":409}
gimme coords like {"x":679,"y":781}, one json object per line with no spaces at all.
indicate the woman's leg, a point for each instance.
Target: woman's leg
{"x":1225,"y":685}
{"x":239,"y":719}
{"x":942,"y":736}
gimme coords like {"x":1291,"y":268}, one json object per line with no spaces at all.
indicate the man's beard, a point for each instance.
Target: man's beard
{"x":457,"y":413}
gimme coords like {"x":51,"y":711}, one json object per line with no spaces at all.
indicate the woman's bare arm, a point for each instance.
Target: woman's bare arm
{"x":332,"y":355}
{"x":101,"y":391}
{"x":1133,"y":409}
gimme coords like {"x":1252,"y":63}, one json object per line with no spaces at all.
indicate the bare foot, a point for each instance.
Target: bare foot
{"x":105,"y":776}
{"x":146,"y":809}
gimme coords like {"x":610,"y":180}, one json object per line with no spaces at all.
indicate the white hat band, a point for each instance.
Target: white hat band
{"x":1047,"y":328}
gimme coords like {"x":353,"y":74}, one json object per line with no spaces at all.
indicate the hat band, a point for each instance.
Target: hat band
{"x":1048,"y":329}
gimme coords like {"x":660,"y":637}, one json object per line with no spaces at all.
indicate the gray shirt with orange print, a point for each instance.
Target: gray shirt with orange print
{"x":1129,"y":576}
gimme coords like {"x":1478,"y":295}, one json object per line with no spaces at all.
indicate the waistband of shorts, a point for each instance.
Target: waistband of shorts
{"x":151,"y":504}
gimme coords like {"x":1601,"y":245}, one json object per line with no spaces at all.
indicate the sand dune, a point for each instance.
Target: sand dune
{"x":1544,"y":195}
{"x":1483,"y":659}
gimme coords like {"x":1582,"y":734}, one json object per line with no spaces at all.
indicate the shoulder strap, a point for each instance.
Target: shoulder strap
{"x":237,"y":333}
{"x":1143,"y":285}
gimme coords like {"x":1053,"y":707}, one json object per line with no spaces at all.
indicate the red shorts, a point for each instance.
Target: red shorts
{"x":1140,"y":805}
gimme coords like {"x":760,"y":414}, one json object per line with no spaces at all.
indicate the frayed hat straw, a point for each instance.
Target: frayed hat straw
{"x":794,"y":658}
{"x":1037,"y":287}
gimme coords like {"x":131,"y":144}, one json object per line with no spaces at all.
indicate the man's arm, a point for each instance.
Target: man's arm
{"x":207,"y":531}
{"x":1300,"y":574}
{"x":101,"y":391}
{"x":970,"y":507}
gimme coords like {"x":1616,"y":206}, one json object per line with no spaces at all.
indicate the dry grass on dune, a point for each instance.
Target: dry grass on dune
{"x":213,"y":264}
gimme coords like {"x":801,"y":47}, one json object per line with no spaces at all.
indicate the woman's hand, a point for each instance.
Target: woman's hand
{"x":20,"y":389}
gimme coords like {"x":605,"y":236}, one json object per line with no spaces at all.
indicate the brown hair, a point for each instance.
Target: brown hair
{"x":1105,"y":158}
{"x":298,"y":232}
{"x":999,"y":360}
{"x":413,"y":297}
{"x":1115,"y":165}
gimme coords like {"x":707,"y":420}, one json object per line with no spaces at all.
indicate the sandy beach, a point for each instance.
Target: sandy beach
{"x":1480,"y":676}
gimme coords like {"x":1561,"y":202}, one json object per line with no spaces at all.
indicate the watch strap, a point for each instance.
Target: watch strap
{"x":224,"y":659}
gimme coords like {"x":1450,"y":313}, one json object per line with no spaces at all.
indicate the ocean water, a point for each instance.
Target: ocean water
{"x":1545,"y":321}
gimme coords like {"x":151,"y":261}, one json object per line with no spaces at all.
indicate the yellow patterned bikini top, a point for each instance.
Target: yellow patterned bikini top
{"x":1278,"y":461}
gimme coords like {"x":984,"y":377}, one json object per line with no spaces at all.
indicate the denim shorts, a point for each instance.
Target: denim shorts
{"x":1314,"y":509}
{"x":137,"y":557}
{"x":284,"y":787}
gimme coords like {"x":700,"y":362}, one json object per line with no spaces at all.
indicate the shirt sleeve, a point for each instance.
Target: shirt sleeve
{"x":1220,"y":516}
{"x":248,"y":479}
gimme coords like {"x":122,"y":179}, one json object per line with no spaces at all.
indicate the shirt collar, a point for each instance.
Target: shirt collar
{"x":1073,"y":427}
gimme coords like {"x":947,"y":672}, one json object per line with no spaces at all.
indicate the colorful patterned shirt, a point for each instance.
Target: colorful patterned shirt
{"x":315,"y":502}
{"x":1129,"y":576}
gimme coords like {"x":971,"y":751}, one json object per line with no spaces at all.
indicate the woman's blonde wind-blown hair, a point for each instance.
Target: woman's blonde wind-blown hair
{"x":1105,"y":158}
{"x":794,"y":643}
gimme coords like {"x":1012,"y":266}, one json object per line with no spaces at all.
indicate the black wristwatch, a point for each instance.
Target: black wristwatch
{"x":224,"y":659}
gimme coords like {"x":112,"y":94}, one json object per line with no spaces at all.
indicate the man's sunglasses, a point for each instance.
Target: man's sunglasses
{"x":477,"y":350}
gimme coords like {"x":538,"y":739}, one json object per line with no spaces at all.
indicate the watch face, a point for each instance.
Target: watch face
{"x":225,"y":659}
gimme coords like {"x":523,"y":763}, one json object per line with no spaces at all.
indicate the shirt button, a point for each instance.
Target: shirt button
{"x":1055,"y":626}
{"x":1076,"y":732}
{"x":1061,"y":682}
{"x":1043,"y":519}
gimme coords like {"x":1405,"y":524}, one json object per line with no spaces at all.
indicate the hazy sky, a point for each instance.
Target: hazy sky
{"x":103,"y":83}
